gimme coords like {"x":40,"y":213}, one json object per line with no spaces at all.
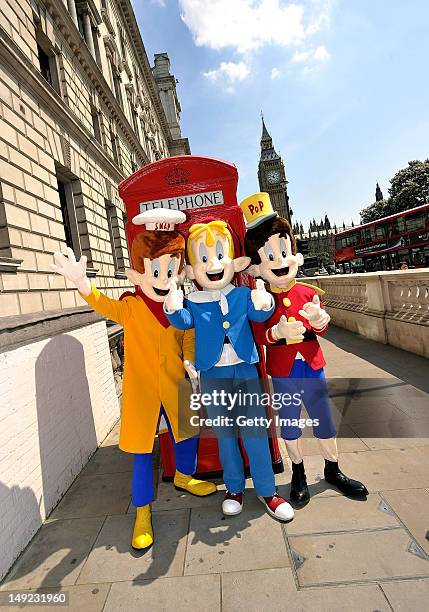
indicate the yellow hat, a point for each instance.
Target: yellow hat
{"x":257,"y":208}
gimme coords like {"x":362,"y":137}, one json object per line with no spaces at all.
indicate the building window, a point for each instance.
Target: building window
{"x":88,"y":20}
{"x":96,"y":46}
{"x":47,"y":63}
{"x":134,"y":118}
{"x":112,"y":221}
{"x":416,"y":221}
{"x":136,"y":79}
{"x":117,"y":237}
{"x":68,"y":214}
{"x":115,"y":148}
{"x":45,"y":68}
{"x":65,"y":213}
{"x":80,"y":24}
{"x":117,"y":87}
{"x":116,"y":82}
{"x":96,"y":124}
{"x":122,"y":44}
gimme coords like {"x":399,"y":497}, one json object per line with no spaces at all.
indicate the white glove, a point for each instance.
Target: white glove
{"x":261,"y":299}
{"x":72,"y":270}
{"x":194,"y":375}
{"x":315,"y":315}
{"x":174,"y":299}
{"x":293,"y":330}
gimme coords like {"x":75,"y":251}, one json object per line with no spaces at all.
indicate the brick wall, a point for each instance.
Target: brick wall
{"x":49,"y":426}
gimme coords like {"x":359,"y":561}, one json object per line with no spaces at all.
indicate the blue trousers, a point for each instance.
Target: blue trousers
{"x":233,"y":379}
{"x":143,"y":491}
{"x":311,"y":384}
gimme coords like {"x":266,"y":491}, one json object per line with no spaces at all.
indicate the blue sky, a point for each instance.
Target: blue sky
{"x":343,"y":86}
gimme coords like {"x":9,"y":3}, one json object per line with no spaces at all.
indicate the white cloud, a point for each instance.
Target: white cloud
{"x":312,"y":60}
{"x":301,"y":56}
{"x":229,"y":73}
{"x":320,"y":54}
{"x":247,"y":25}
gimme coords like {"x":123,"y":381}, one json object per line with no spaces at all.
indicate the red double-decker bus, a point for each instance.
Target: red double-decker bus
{"x":386,"y":243}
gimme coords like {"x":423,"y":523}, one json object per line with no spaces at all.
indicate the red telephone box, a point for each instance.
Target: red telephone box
{"x":205,"y":189}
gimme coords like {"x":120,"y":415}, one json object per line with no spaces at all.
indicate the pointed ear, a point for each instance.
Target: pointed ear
{"x":299,"y":259}
{"x":241,"y":263}
{"x":254,"y":270}
{"x":190,"y":272}
{"x":133,"y":276}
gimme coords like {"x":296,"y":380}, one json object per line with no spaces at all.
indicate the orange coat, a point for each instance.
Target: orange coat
{"x":153,"y":368}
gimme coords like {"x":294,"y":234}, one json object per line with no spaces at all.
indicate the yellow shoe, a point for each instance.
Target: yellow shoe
{"x":201,"y":488}
{"x":143,"y":532}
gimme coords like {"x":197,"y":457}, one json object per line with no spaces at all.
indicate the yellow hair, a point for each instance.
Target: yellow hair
{"x":211,"y":229}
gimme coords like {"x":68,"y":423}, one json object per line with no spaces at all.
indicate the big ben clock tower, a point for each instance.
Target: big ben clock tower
{"x":272,"y":175}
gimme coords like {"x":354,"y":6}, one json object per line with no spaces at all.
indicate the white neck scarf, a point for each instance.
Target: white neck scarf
{"x":217,"y":295}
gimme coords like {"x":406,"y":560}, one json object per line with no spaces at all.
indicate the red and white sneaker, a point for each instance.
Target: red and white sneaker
{"x":278,"y":507}
{"x":232,"y":504}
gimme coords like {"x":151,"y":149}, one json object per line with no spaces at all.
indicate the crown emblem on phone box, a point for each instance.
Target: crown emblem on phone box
{"x":177,"y":176}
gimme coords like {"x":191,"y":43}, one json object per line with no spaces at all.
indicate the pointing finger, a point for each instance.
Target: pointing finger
{"x":316,"y":299}
{"x":283,"y":319}
{"x":304,"y":314}
{"x":55,"y":268}
{"x":71,"y":255}
{"x":172,"y":285}
{"x":260,"y":286}
{"x":59,"y":259}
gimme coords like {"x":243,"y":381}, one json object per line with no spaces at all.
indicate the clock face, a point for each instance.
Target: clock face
{"x":273,"y":177}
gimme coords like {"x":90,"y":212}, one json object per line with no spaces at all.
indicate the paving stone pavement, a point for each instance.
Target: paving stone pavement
{"x":337,"y":553}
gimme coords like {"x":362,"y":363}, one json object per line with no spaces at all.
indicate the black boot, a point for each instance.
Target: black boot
{"x":299,"y":493}
{"x":347,"y":486}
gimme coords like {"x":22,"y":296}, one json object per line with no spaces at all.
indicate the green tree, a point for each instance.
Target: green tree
{"x":374,"y":211}
{"x":408,"y":188}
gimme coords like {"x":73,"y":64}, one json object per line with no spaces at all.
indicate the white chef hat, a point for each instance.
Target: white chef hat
{"x":160,"y":219}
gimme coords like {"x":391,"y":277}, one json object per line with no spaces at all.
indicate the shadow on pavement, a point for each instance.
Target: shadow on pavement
{"x":406,"y":366}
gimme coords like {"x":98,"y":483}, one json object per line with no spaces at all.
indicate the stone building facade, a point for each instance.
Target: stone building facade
{"x":320,"y":245}
{"x":81,"y":109}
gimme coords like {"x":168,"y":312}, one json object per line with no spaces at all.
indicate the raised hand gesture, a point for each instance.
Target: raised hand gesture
{"x":174,"y":299}
{"x":261,"y":299}
{"x":314,"y":313}
{"x":72,"y":270}
{"x":289,"y":330}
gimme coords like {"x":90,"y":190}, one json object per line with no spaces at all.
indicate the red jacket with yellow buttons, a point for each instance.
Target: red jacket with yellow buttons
{"x":281,"y":355}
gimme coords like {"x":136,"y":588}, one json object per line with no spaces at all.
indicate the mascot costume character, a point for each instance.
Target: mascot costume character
{"x":225,"y":354}
{"x":154,"y":353}
{"x":290,"y":336}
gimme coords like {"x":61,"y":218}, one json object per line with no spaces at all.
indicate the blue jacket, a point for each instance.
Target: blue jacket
{"x":211,"y":327}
